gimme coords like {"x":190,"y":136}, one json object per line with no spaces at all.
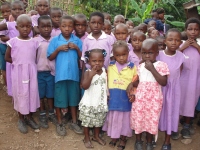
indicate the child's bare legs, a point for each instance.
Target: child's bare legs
{"x":139,"y":143}
{"x":96,"y":136}
{"x":149,"y":137}
{"x":113,"y":142}
{"x":86,"y":139}
{"x":74,"y":114}
{"x":4,"y":76}
{"x":167,"y":139}
{"x":21,"y":117}
{"x":138,"y":137}
{"x":122,"y":143}
{"x":52,"y":116}
{"x":59,"y":115}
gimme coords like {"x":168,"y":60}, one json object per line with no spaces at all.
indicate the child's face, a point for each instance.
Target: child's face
{"x":66,"y":27}
{"x":121,"y":33}
{"x":96,"y":59}
{"x":42,"y":7}
{"x":192,"y":31}
{"x":96,"y":24}
{"x":161,"y":16}
{"x":24,"y":27}
{"x":149,"y":52}
{"x":118,"y":20}
{"x":5,"y":11}
{"x":130,"y":24}
{"x":161,"y":44}
{"x":55,"y":18}
{"x":154,"y":34}
{"x":136,"y":41}
{"x":107,"y":28}
{"x":80,"y":26}
{"x":152,"y":24}
{"x":16,"y":10}
{"x":121,"y":55}
{"x":173,"y":41}
{"x":107,"y":17}
{"x":45,"y":28}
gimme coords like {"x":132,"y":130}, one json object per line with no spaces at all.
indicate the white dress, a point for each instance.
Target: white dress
{"x":93,"y":105}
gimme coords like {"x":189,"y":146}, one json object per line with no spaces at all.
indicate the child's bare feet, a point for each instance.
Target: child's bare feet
{"x":88,"y":144}
{"x":99,"y":140}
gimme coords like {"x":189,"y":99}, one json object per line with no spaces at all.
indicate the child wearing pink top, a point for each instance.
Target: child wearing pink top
{"x":21,"y":53}
{"x":97,"y":38}
{"x":45,"y":79}
{"x":55,"y":14}
{"x":42,"y":7}
{"x":135,"y":55}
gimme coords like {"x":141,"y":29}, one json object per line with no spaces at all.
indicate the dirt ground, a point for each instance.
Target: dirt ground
{"x":47,"y":139}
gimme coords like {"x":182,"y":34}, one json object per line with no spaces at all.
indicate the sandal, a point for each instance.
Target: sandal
{"x":113,"y":143}
{"x":100,"y":141}
{"x":88,"y":144}
{"x":122,"y":147}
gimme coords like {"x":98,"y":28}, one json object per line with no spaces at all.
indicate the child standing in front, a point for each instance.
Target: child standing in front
{"x":93,"y":106}
{"x":45,"y":79}
{"x":21,"y":53}
{"x":147,"y":106}
{"x":120,"y":74}
{"x":169,"y":117}
{"x":66,"y":50}
{"x":190,"y":79}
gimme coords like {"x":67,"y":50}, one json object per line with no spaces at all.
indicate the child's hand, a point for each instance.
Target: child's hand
{"x":186,"y":44}
{"x":196,"y":45}
{"x":149,"y":65}
{"x":93,"y":71}
{"x":63,"y":47}
{"x":131,"y":98}
{"x":72,"y":46}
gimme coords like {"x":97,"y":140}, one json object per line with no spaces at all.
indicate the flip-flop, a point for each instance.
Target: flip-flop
{"x":88,"y":144}
{"x":113,"y":143}
{"x":101,"y":141}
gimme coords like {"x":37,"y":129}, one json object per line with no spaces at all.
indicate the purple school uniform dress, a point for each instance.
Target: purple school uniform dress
{"x":55,"y":32}
{"x":34,"y":19}
{"x":103,"y":42}
{"x":12,"y":32}
{"x":190,"y":82}
{"x":24,"y":75}
{"x":132,"y":57}
{"x":169,"y":117}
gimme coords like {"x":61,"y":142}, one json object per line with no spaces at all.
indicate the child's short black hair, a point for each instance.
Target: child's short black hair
{"x":160,"y":37}
{"x":88,"y":53}
{"x":56,"y":9}
{"x":17,"y":2}
{"x":160,"y":10}
{"x":120,"y":43}
{"x":67,"y":17}
{"x":99,"y":14}
{"x":6,"y":4}
{"x":173,"y":30}
{"x":44,"y":17}
{"x":80,"y":16}
{"x":192,"y":20}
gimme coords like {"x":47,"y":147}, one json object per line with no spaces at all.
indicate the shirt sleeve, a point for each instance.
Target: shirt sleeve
{"x":162,"y":69}
{"x":10,"y":42}
{"x":51,"y":48}
{"x":84,"y":49}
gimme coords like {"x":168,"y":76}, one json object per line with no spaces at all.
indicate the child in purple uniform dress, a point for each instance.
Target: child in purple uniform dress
{"x":190,"y":79}
{"x":55,"y":14}
{"x":21,"y":53}
{"x":169,"y":117}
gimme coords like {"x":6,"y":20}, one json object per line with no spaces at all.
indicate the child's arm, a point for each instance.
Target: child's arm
{"x":162,"y":80}
{"x":186,"y":44}
{"x":8,"y":55}
{"x":60,"y":48}
{"x":3,"y":26}
{"x":74,"y":46}
{"x":4,"y":38}
{"x":196,"y":45}
{"x":88,"y":75}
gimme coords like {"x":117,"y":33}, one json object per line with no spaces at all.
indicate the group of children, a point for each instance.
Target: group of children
{"x":129,"y":78}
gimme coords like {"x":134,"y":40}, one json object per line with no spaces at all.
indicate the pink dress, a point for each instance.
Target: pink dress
{"x":147,"y":106}
{"x":24,"y":75}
